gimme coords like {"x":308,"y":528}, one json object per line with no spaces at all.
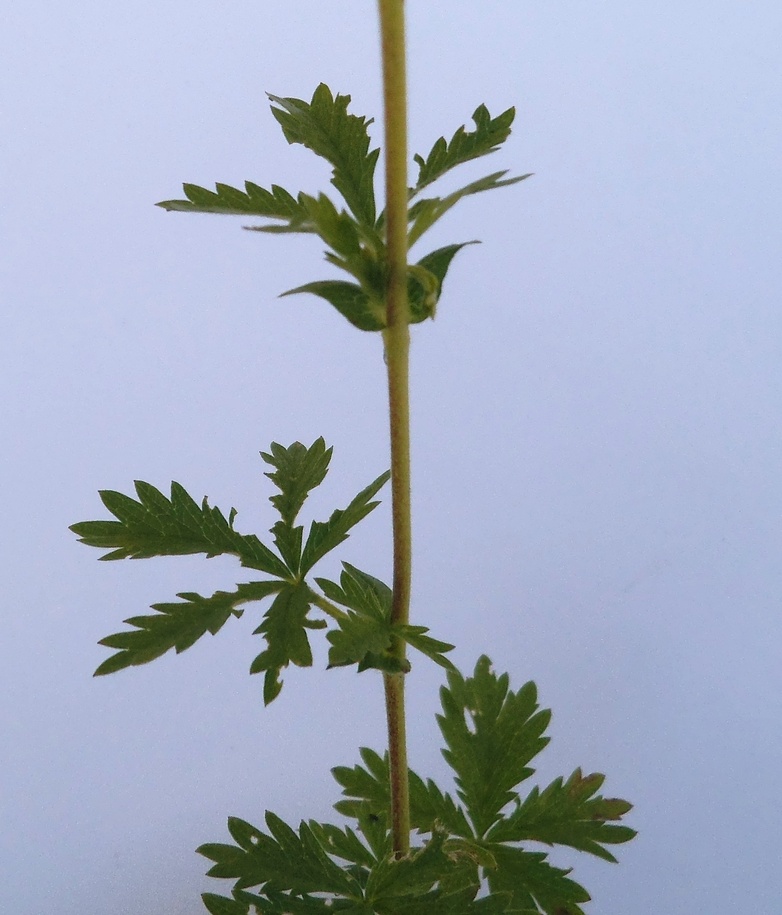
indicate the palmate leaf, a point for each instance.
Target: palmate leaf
{"x":491,"y":733}
{"x":284,"y":627}
{"x":567,"y":813}
{"x":489,"y":134}
{"x":157,"y":526}
{"x":324,"y":126}
{"x":179,"y":625}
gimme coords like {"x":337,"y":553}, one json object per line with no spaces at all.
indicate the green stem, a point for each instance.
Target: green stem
{"x":397,"y":346}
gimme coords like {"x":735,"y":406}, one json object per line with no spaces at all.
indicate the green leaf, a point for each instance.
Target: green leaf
{"x":534,"y":884}
{"x":343,"y":843}
{"x":221,"y":905}
{"x":425,"y":281}
{"x":567,"y":813}
{"x":179,"y":625}
{"x":425,"y":212}
{"x":298,"y":470}
{"x":366,"y":788}
{"x":325,"y":127}
{"x":416,"y":637}
{"x":364,"y":636}
{"x":489,"y":134}
{"x":254,"y":201}
{"x":157,"y":526}
{"x":284,"y":627}
{"x":324,"y":536}
{"x":282,"y":858}
{"x":350,"y":300}
{"x":491,"y":734}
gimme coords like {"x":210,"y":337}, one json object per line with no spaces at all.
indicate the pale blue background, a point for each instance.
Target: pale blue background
{"x":596,"y":418}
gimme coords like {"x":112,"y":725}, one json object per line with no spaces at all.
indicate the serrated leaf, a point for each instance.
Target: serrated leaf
{"x":491,"y":734}
{"x":425,"y":212}
{"x":567,"y":813}
{"x":298,"y":470}
{"x":324,"y":126}
{"x":282,"y":858}
{"x":157,"y":526}
{"x":350,"y":300}
{"x":367,"y":788}
{"x":534,"y":884}
{"x":324,"y":536}
{"x":254,"y":201}
{"x":179,"y":625}
{"x":284,"y":627}
{"x":489,"y":134}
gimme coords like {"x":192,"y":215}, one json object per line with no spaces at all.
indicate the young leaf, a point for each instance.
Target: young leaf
{"x":425,"y":212}
{"x":567,"y":813}
{"x":298,"y":471}
{"x":362,"y":310}
{"x":157,"y":526}
{"x":325,"y":127}
{"x":179,"y":625}
{"x":425,"y":281}
{"x":324,"y":536}
{"x":489,"y":134}
{"x":491,"y":734}
{"x":284,"y":627}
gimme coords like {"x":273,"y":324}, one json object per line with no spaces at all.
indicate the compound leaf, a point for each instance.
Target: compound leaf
{"x":491,"y":733}
{"x":157,"y":526}
{"x":179,"y":625}
{"x":324,"y":536}
{"x":324,"y":126}
{"x":567,"y":813}
{"x":489,"y":134}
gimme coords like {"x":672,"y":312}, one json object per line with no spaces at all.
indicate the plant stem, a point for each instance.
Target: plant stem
{"x":397,"y":347}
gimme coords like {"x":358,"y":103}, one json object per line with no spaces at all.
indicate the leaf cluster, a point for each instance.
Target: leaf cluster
{"x":473,"y":855}
{"x":156,"y":525}
{"x":354,"y":234}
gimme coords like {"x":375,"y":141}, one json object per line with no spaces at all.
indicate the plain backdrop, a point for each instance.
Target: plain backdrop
{"x":596,"y":422}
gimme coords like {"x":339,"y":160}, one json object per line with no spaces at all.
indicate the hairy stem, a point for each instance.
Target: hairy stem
{"x":397,"y":346}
